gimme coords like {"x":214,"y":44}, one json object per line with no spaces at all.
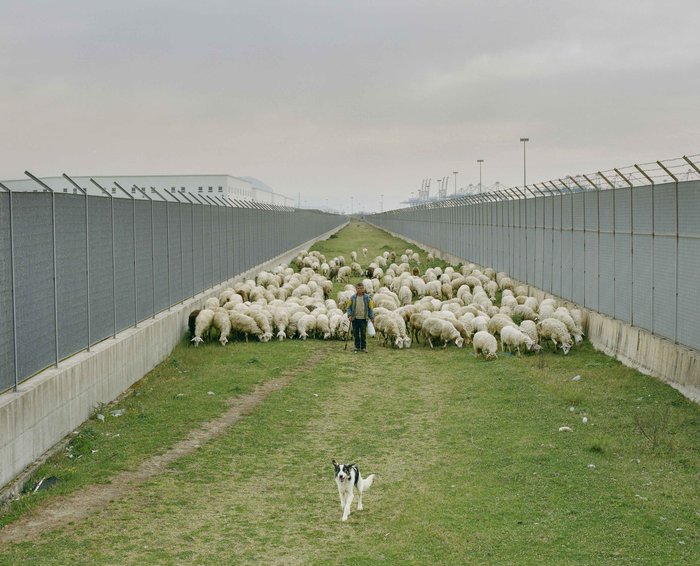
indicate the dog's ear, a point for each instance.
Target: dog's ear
{"x":335,"y":464}
{"x":351,"y":466}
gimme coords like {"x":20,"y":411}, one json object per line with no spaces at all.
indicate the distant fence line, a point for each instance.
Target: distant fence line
{"x":629,"y":252}
{"x":87,"y":267}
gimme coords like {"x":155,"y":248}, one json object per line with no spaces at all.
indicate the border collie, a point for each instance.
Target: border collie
{"x":347,"y":477}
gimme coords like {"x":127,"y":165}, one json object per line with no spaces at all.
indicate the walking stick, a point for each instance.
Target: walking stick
{"x":347,"y":336}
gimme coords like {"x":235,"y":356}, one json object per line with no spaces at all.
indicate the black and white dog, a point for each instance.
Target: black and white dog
{"x":347,"y":477}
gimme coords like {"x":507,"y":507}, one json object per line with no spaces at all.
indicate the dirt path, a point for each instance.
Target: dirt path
{"x":76,"y":506}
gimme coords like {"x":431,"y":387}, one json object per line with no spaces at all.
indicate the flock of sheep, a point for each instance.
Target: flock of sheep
{"x":439,"y":307}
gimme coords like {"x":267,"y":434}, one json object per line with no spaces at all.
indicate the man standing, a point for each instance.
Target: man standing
{"x":359,"y":312}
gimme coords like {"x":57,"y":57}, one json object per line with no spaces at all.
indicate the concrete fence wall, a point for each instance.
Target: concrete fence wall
{"x":630,"y":255}
{"x":77,"y":270}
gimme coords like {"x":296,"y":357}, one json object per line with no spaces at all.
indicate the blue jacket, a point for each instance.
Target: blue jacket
{"x":369,"y":306}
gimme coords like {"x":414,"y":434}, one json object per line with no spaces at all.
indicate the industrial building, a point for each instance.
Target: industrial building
{"x":228,"y":186}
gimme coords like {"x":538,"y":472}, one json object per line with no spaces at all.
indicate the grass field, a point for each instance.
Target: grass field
{"x":470,"y":465}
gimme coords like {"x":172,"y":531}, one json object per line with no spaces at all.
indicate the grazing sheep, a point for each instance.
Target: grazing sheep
{"x":525,"y":312}
{"x":211,"y":303}
{"x":556,"y":331}
{"x":202,"y":325}
{"x":323,"y":325}
{"x":562,"y":314}
{"x":429,"y":258}
{"x":441,"y":331}
{"x":498,"y":322}
{"x":344,"y":274}
{"x":263,"y":319}
{"x":306,"y":325}
{"x":364,"y":252}
{"x":243,"y":324}
{"x":512,"y":337}
{"x":530,"y":328}
{"x":222,"y":323}
{"x":485,"y":343}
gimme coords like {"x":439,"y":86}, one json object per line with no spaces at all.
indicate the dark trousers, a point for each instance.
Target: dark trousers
{"x":359,"y":331}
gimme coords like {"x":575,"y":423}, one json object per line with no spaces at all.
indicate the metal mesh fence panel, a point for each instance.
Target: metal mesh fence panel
{"x":144,"y":261}
{"x":689,"y":264}
{"x":160,"y":257}
{"x":34,"y":293}
{"x":153,"y":255}
{"x":71,"y":262}
{"x":101,"y":273}
{"x":124,"y":262}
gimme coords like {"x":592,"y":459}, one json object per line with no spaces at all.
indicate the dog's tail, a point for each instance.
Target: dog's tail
{"x":366,"y":483}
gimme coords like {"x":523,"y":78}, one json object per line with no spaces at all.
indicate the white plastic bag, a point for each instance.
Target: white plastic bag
{"x":370,"y":329}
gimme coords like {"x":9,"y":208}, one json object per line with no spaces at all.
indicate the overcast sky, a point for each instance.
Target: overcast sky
{"x":331,"y":99}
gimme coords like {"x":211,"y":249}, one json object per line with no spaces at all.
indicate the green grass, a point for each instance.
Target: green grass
{"x":470,"y":465}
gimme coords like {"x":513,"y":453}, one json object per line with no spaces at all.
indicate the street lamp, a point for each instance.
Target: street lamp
{"x":524,"y":140}
{"x":455,"y":174}
{"x":480,"y":161}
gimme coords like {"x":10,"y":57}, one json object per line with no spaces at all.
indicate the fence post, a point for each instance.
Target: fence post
{"x":114,"y":265}
{"x":55,"y":268}
{"x":12,"y":282}
{"x":192,"y":219}
{"x":675,"y":179}
{"x":167,"y":244}
{"x":202,"y":202}
{"x":182,"y":254}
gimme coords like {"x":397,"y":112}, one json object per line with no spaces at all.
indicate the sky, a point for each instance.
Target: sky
{"x":328,"y":100}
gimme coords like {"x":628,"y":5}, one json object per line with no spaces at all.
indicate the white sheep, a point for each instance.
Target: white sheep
{"x":323,"y":325}
{"x":485,"y":343}
{"x":306,"y":325}
{"x":442,"y":331}
{"x":244,"y":324}
{"x":364,"y":252}
{"x":556,"y":331}
{"x":530,"y":328}
{"x":525,"y":312}
{"x":211,"y":303}
{"x":513,"y":337}
{"x":344,"y":274}
{"x":222,"y":323}
{"x":202,"y":324}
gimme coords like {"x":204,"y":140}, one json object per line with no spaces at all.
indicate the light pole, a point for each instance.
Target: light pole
{"x":480,"y":161}
{"x":455,"y":174}
{"x":381,"y":203}
{"x":524,"y":140}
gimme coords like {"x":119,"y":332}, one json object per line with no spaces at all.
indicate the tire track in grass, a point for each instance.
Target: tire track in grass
{"x":79,"y":505}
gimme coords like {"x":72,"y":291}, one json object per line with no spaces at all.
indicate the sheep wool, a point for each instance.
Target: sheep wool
{"x":485,"y":344}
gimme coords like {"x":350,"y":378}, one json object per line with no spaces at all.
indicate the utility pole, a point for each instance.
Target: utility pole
{"x":524,"y":140}
{"x":480,"y":161}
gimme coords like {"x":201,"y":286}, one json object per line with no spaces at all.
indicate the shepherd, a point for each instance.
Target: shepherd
{"x":359,"y":312}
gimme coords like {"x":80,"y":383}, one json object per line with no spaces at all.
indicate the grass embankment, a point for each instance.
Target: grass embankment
{"x":470,"y":465}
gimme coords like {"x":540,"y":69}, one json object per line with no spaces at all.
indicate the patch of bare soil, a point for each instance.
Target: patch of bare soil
{"x":78,"y":505}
